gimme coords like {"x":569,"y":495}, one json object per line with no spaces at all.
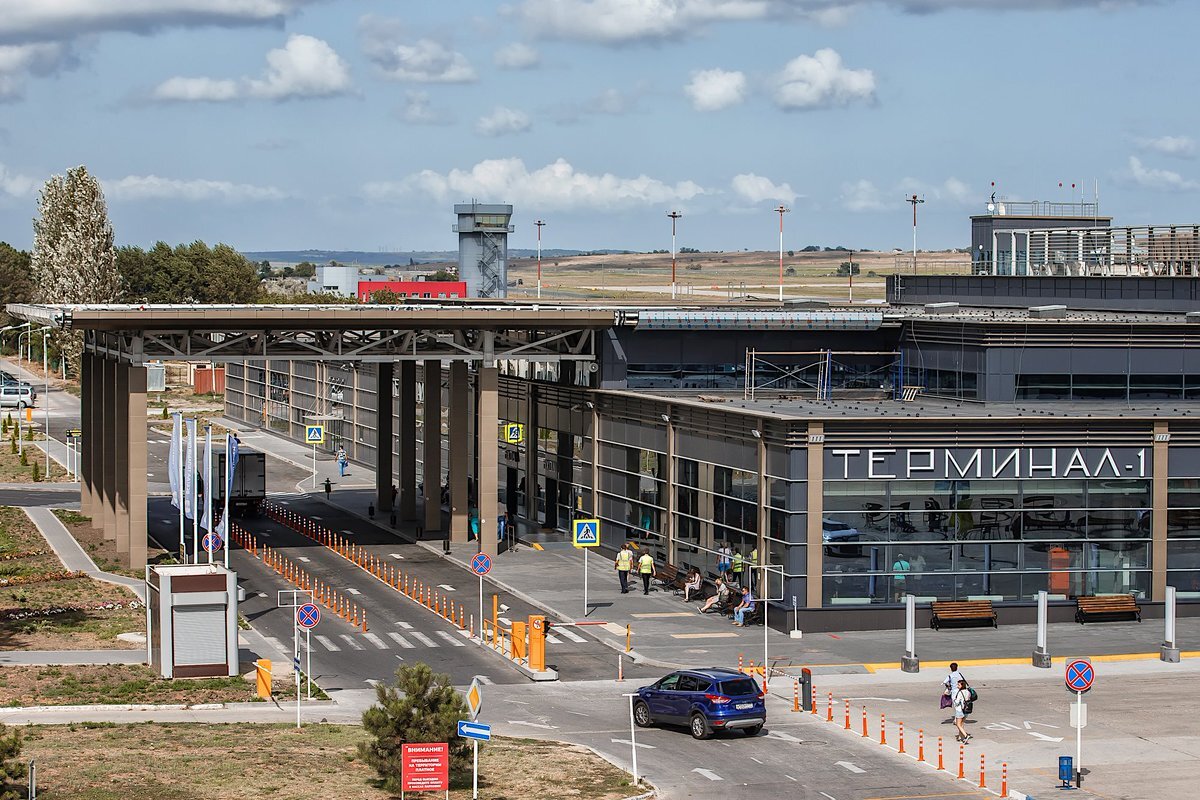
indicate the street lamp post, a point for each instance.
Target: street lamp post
{"x":782,"y":210}
{"x":915,"y":202}
{"x":539,"y":224}
{"x":46,"y":401}
{"x":674,"y":215}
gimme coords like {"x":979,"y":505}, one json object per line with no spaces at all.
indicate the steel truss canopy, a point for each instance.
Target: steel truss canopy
{"x":484,"y":332}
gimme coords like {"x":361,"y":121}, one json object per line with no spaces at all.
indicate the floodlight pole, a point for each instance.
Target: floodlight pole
{"x":674,"y":215}
{"x":915,"y":201}
{"x":539,"y":225}
{"x":782,"y":210}
{"x":46,"y":406}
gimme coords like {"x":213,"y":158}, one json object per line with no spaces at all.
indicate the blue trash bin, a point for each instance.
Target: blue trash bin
{"x":1066,"y":771}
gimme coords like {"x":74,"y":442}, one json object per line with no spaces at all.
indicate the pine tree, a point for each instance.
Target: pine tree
{"x":37,"y":471}
{"x":73,"y":256}
{"x":12,"y":769}
{"x":421,"y":707}
{"x":24,"y":458}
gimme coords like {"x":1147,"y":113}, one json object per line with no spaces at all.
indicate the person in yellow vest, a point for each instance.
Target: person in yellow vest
{"x":623,"y":564}
{"x":646,"y":569}
{"x":739,"y":564}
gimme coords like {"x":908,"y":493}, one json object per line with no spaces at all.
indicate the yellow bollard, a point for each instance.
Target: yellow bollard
{"x":262,"y":677}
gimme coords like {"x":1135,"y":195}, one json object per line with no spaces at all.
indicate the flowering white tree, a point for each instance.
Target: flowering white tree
{"x":74,"y":260}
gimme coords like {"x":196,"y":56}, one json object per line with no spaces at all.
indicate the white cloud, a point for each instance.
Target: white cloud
{"x":502,"y":121}
{"x":821,"y":81}
{"x":757,"y":189}
{"x":621,"y":21}
{"x":304,"y":67}
{"x":861,"y":195}
{"x":1178,"y":146}
{"x":422,"y":61}
{"x":418,"y":111}
{"x":152,"y":187}
{"x":19,"y":61}
{"x":517,"y":55}
{"x":16,"y":185}
{"x":556,"y":185}
{"x":1159,"y":180}
{"x":715,"y":89}
{"x":57,"y":20}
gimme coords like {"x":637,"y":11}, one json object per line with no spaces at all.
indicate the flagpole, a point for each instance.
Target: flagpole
{"x":208,"y":490}
{"x":195,"y":497}
{"x":228,"y":483}
{"x":177,"y":443}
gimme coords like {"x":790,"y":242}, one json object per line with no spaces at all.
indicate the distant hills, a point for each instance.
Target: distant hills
{"x":376,"y":259}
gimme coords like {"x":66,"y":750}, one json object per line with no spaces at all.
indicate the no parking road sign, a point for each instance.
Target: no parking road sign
{"x":212,"y":542}
{"x":586,"y":532}
{"x":481,"y":564}
{"x":307,"y":616}
{"x":1080,"y":675}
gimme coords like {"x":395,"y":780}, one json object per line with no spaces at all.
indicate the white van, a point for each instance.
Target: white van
{"x":15,"y":396}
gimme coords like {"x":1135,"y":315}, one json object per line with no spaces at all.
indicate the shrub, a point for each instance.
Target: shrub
{"x":12,"y":768}
{"x":24,"y":459}
{"x":422,"y":706}
{"x":37,"y":471}
{"x":166,"y":415}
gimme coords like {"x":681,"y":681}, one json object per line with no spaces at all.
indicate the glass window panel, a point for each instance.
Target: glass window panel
{"x":1118,"y":494}
{"x":1183,"y":523}
{"x":851,"y":495}
{"x":1186,"y":583}
{"x":1183,"y":493}
{"x":1183,"y":555}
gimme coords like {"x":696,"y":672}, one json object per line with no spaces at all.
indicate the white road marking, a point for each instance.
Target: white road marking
{"x":329,"y":645}
{"x":1043,"y":737}
{"x":271,"y":640}
{"x":486,"y":681}
{"x":351,"y":590}
{"x":445,"y":586}
{"x":831,"y":797}
{"x":305,"y":559}
{"x":423,"y":639}
{"x":533,"y":725}
{"x":354,"y":645}
{"x":851,"y":767}
{"x":260,"y":594}
{"x":396,"y":556}
{"x":400,"y":640}
{"x":451,"y":638}
{"x":505,"y":621}
{"x":407,"y":626}
{"x":235,"y":471}
{"x":577,"y":713}
{"x":635,"y":744}
{"x":752,"y":758}
{"x":550,"y":638}
{"x":784,"y":737}
{"x":884,"y":699}
{"x":708,"y":773}
{"x":567,"y":632}
{"x":375,"y":640}
{"x":789,"y":777}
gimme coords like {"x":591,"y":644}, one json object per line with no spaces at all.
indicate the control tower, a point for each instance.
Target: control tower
{"x":483,"y":248}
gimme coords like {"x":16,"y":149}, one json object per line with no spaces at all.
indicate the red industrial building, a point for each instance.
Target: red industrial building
{"x":425,"y":289}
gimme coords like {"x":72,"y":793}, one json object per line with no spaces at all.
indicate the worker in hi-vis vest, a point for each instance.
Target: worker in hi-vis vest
{"x":646,"y":568}
{"x":624,"y":564}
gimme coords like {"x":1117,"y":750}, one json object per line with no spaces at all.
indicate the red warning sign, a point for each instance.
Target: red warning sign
{"x":425,"y":767}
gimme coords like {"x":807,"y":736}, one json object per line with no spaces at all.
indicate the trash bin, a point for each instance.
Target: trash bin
{"x":1066,"y":771}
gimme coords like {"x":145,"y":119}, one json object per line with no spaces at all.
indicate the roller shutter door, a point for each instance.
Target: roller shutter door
{"x":199,"y":635}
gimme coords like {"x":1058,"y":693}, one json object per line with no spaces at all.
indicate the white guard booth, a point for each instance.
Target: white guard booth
{"x":191,"y":620}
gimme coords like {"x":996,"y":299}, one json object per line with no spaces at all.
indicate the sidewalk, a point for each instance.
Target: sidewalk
{"x":73,"y":556}
{"x":670,"y":633}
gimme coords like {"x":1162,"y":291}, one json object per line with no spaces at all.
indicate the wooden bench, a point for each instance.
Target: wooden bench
{"x":670,"y":577}
{"x":964,"y":611}
{"x":1117,"y":605}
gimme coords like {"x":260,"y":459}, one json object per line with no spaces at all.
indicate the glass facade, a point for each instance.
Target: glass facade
{"x":984,"y":539}
{"x":1183,"y":536}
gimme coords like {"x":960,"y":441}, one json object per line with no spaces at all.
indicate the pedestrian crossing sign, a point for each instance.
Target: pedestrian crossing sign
{"x":586,"y":533}
{"x":512,"y":432}
{"x":314,"y":434}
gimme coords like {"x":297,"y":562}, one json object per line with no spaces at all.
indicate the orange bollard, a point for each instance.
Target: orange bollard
{"x":814,"y":701}
{"x":941,"y":763}
{"x":1003,"y":779}
{"x":982,"y":765}
{"x":829,"y":718}
{"x":883,"y":728}
{"x":740,"y":663}
{"x":901,"y":734}
{"x":356,"y":616}
{"x":847,"y":715}
{"x":796,"y":696}
{"x":364,"y":622}
{"x":961,"y":772}
{"x":920,"y":744}
{"x":864,"y":733}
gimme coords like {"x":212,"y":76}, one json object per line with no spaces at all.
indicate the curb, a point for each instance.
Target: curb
{"x":122,"y":707}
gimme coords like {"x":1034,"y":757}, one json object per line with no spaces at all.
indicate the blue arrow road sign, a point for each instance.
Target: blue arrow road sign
{"x":1080,"y":675}
{"x":474,"y":730}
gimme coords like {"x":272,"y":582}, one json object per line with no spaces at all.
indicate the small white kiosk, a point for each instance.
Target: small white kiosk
{"x":191,"y":620}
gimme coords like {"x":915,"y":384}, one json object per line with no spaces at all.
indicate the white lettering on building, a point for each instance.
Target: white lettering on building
{"x":962,"y":463}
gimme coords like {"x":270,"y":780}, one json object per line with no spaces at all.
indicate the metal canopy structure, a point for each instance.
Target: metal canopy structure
{"x":136,"y":334}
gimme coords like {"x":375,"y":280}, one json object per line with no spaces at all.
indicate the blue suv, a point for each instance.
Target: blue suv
{"x":706,"y":700}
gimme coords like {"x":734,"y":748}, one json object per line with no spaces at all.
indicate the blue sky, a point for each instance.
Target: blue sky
{"x":273,"y":124}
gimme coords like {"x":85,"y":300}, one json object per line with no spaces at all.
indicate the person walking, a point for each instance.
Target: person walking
{"x":953,"y":678}
{"x":341,"y":461}
{"x":328,"y":487}
{"x":900,"y":569}
{"x":646,"y":569}
{"x":743,"y":608}
{"x":962,"y":697}
{"x":737,"y":566}
{"x":623,"y":564}
{"x":724,"y":558}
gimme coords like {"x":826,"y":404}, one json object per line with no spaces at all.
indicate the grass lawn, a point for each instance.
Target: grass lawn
{"x":250,"y":762}
{"x":76,"y":684}
{"x":11,"y":469}
{"x":104,"y":551}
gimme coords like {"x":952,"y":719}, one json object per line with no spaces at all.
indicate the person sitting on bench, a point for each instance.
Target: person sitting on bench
{"x":693,"y":584}
{"x":719,"y":601}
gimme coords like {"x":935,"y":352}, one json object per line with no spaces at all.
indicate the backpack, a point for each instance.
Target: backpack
{"x":974,"y":694}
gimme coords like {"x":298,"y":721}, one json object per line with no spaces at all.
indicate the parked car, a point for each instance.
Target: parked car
{"x":15,"y":396}
{"x":706,"y":700}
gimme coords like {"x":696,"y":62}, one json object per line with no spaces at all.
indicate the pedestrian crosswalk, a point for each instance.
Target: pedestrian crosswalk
{"x":409,"y":639}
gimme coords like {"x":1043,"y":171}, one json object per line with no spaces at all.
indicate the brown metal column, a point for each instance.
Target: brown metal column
{"x":86,"y":403}
{"x":109,"y":427}
{"x":408,"y":440}
{"x":383,"y":436}
{"x":489,"y":454}
{"x":457,"y":429}
{"x":668,"y":502}
{"x":121,"y":434}
{"x":135,"y":455}
{"x":1158,"y":513}
{"x":764,"y":513}
{"x":532,"y":456}
{"x":815,"y":554}
{"x":94,"y":449}
{"x":432,"y":433}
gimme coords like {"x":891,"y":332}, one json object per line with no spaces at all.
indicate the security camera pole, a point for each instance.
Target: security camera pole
{"x":674,"y":215}
{"x":539,"y":225}
{"x":915,"y":202}
{"x":782,"y":210}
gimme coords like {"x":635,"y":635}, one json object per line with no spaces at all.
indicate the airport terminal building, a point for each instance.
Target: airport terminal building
{"x":952,"y":451}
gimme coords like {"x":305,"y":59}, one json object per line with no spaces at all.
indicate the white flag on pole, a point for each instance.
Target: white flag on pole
{"x":231,"y":460}
{"x":206,"y":482}
{"x":173,"y":458}
{"x":189,"y":471}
